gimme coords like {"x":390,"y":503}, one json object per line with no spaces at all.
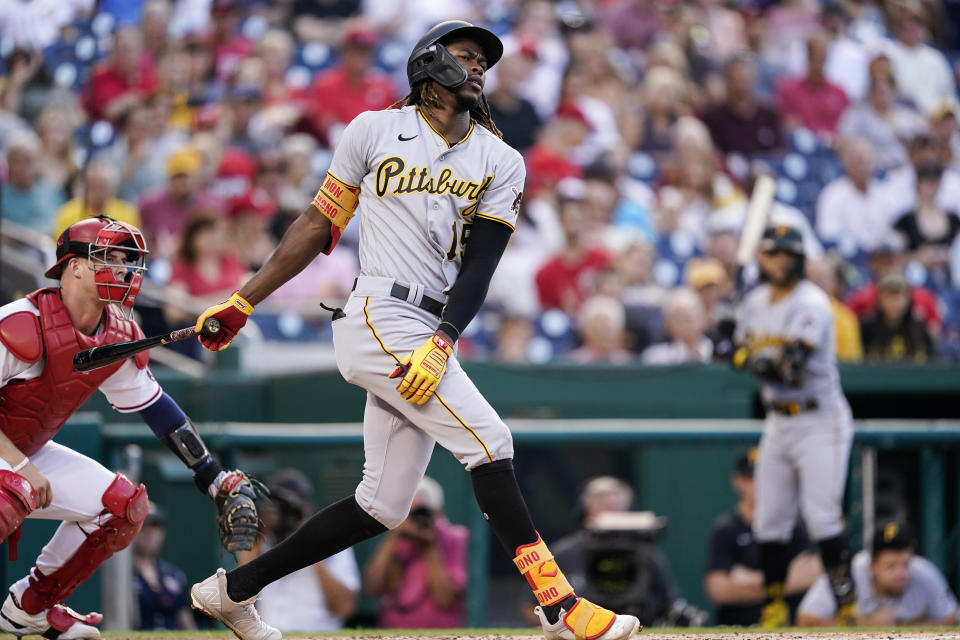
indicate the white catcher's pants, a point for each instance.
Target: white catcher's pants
{"x":398,"y":436}
{"x":77,"y":483}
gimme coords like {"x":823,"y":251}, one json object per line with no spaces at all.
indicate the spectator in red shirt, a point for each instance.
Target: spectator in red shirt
{"x":740,"y":124}
{"x":250,"y":217}
{"x":125,"y":79}
{"x":204,"y":267}
{"x":229,"y":46}
{"x":812,"y":101}
{"x":886,"y":259}
{"x":548,"y":161}
{"x":353,"y":86}
{"x":565,"y":281}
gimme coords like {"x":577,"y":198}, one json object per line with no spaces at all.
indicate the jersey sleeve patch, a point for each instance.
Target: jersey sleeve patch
{"x":20,"y":334}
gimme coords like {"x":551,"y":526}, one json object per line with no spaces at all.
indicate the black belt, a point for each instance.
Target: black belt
{"x":793,"y":408}
{"x":401,"y":292}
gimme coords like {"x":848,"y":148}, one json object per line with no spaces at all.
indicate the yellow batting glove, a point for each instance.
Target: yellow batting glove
{"x":232,"y":315}
{"x":423,"y":369}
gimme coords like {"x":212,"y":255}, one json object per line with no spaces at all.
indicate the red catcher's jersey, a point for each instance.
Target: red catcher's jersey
{"x":32,"y":411}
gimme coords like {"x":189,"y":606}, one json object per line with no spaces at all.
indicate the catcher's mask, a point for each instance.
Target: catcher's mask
{"x":115,"y":251}
{"x":430,"y":59}
{"x":787,"y":239}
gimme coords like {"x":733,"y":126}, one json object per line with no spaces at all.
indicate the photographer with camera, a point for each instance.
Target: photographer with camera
{"x":316,"y":598}
{"x":612,"y":559}
{"x":419,"y":572}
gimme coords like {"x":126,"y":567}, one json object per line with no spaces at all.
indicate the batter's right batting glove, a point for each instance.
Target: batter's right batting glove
{"x":423,"y":369}
{"x":232,"y":315}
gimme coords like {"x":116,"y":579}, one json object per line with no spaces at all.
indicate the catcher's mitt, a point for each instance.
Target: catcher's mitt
{"x":237,"y":518}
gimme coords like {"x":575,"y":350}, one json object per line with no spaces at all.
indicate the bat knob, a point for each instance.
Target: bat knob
{"x":211,"y":326}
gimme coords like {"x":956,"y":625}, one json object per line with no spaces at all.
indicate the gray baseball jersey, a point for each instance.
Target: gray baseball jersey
{"x":926,"y":596}
{"x":802,"y":461}
{"x":418,"y":197}
{"x":804,"y":314}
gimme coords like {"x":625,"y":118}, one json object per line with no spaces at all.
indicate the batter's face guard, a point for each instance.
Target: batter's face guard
{"x":430,"y":59}
{"x":115,"y":252}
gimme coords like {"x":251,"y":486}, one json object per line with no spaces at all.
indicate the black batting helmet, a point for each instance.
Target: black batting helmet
{"x":782,"y":238}
{"x":785,"y":238}
{"x":431,"y":60}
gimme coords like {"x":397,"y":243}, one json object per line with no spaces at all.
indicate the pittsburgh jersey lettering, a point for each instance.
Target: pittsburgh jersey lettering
{"x":418,"y":180}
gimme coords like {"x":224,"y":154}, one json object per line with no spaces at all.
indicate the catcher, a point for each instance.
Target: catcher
{"x":100,"y":265}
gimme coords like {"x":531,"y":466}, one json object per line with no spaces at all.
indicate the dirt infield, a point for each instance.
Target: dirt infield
{"x":652,"y":634}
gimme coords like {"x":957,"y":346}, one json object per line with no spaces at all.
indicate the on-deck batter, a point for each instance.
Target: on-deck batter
{"x":438,"y":194}
{"x":786,"y":337}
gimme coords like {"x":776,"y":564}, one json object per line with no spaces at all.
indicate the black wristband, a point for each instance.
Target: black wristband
{"x":205,"y":475}
{"x":456,"y":332}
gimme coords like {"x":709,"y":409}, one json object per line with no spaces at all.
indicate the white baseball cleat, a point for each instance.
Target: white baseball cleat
{"x":587,"y":621}
{"x":210,"y":597}
{"x":56,"y":623}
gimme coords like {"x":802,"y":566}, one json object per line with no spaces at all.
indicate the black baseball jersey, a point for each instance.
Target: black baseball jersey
{"x":731,"y":544}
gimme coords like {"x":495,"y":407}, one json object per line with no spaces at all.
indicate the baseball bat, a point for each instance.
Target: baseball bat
{"x":761,"y":199}
{"x":97,"y":357}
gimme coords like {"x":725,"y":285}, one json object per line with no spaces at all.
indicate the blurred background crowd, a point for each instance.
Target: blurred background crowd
{"x":643,"y":123}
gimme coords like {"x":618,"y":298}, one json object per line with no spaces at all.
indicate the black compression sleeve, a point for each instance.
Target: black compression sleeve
{"x":485,"y":246}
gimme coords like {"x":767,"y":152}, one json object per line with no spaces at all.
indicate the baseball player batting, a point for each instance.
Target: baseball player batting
{"x":100,"y":268}
{"x":786,"y":338}
{"x":438,"y":192}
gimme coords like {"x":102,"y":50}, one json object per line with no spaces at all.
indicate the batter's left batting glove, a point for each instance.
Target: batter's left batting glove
{"x":232,"y":315}
{"x":424,"y":369}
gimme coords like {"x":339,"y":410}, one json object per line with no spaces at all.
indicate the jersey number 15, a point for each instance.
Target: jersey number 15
{"x":459,"y":238}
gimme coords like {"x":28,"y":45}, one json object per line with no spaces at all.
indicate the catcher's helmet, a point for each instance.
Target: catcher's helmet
{"x":431,"y":60}
{"x":95,"y":239}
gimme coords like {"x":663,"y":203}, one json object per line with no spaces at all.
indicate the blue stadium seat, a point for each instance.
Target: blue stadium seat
{"x":315,"y":56}
{"x":667,"y":273}
{"x":643,"y":167}
{"x":392,"y":56}
{"x":102,"y":134}
{"x":557,"y":328}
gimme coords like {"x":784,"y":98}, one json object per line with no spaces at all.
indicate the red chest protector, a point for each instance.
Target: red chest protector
{"x":32,"y":411}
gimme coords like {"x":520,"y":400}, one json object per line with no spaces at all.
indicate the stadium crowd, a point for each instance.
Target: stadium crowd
{"x":643,"y":123}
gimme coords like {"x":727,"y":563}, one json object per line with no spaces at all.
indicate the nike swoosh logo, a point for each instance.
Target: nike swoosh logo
{"x":402,"y":139}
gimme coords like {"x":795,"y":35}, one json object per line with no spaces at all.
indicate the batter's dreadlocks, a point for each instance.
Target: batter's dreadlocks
{"x":425,"y":94}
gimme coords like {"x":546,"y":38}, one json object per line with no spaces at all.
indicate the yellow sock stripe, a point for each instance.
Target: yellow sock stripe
{"x":554,"y":591}
{"x":366,"y":317}
{"x":532,"y":557}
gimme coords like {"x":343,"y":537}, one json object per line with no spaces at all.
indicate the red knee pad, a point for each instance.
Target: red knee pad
{"x":17,"y":500}
{"x":128,"y":506}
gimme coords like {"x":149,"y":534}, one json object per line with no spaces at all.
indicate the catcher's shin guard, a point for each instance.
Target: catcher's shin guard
{"x":537,"y":565}
{"x":17,"y":499}
{"x":127,"y":506}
